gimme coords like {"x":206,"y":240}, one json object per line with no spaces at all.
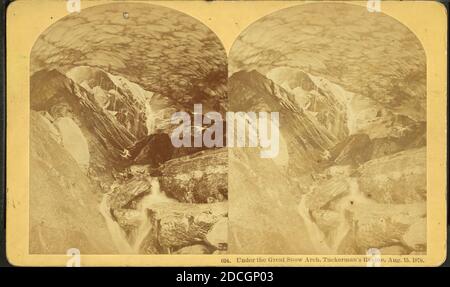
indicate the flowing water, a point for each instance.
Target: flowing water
{"x":120,"y":238}
{"x":117,"y":233}
{"x":155,"y":196}
{"x":317,"y":236}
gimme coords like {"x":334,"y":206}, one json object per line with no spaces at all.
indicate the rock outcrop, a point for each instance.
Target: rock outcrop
{"x":64,"y":210}
{"x":181,"y":225}
{"x":125,"y":194}
{"x":382,"y":225}
{"x":263,"y":216}
{"x":351,"y":170}
{"x":303,"y":140}
{"x":105,"y":103}
{"x":321,"y":99}
{"x":354,"y":150}
{"x":380,"y":204}
{"x":197,"y":178}
{"x":399,"y":178}
{"x":104,"y":113}
{"x":106,"y":134}
{"x":183,"y":205}
{"x":171,"y":226}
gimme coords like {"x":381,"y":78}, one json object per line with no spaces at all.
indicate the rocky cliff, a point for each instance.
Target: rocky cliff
{"x":109,"y":138}
{"x":64,"y":212}
{"x":356,"y":184}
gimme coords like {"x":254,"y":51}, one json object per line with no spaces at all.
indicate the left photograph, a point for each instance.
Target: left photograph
{"x":104,"y":175}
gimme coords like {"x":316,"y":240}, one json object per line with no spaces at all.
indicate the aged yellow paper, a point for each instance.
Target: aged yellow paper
{"x":226,"y":133}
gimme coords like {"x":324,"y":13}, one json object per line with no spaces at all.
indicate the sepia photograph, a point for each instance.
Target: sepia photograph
{"x":226,"y":133}
{"x":350,"y":88}
{"x":104,"y":175}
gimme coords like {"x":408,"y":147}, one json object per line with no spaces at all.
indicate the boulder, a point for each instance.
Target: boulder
{"x":325,"y":192}
{"x":411,"y":135}
{"x":128,"y":219}
{"x":126,"y":194}
{"x":198,"y":178}
{"x":177,"y":225}
{"x":397,"y":178}
{"x":194,"y":249}
{"x":374,"y":225}
{"x":105,"y":133}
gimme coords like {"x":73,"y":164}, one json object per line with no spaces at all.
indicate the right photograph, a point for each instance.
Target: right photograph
{"x":350,"y":173}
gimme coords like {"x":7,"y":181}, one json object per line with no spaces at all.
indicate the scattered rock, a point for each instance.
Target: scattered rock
{"x":375,"y":225}
{"x":181,"y":224}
